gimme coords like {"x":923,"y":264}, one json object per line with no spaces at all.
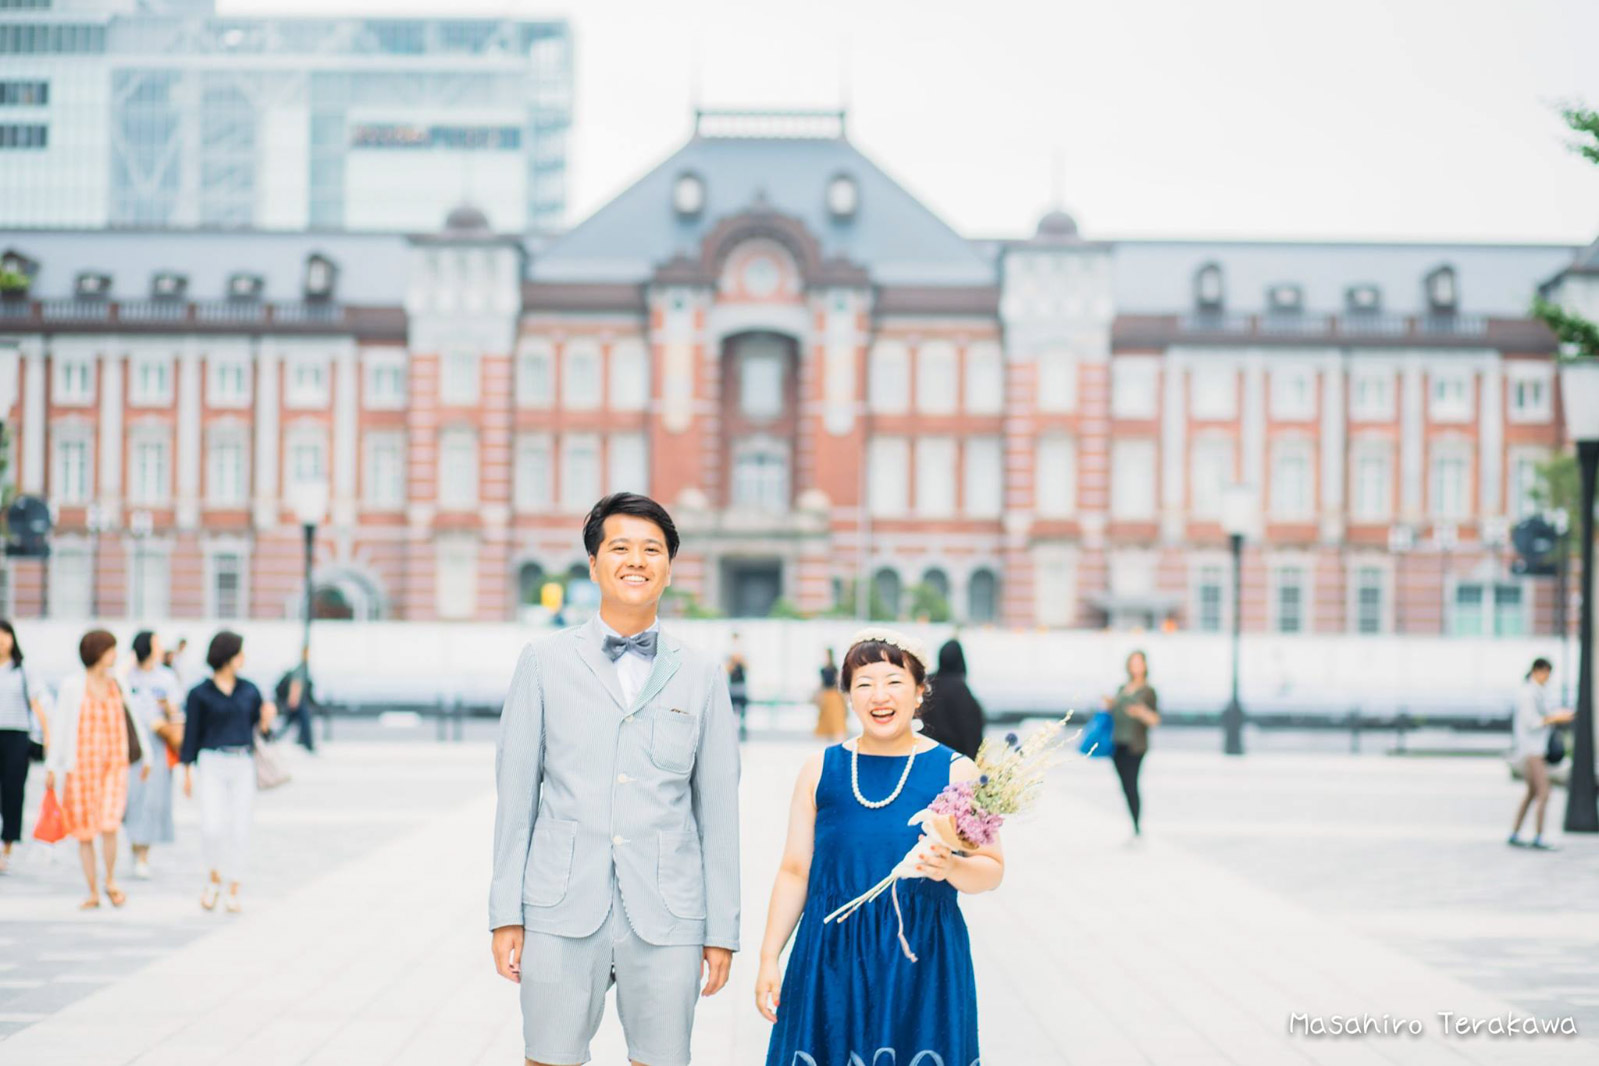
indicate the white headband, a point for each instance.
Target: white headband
{"x":898,"y":640}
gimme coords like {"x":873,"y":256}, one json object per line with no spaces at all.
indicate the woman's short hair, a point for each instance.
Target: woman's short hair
{"x":877,"y":651}
{"x":94,"y":645}
{"x":224,"y":647}
{"x":630,"y":503}
{"x":143,"y":644}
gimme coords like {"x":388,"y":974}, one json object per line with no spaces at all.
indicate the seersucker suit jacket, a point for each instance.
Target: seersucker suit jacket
{"x":594,"y":792}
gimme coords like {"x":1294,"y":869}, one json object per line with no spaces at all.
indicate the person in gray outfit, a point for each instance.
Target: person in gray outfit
{"x":616,"y":831}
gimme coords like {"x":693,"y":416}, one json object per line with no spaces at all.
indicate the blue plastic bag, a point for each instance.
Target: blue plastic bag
{"x":1096,"y":736}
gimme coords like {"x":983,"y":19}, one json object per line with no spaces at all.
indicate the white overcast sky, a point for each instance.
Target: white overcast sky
{"x":1404,"y":119}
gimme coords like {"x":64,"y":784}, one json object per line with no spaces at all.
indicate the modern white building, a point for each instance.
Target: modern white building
{"x":163,"y":114}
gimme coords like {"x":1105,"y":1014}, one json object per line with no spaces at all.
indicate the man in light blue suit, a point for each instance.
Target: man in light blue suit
{"x":616,"y":834}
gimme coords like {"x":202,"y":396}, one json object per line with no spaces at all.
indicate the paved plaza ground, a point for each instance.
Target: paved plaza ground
{"x":1317,"y":883}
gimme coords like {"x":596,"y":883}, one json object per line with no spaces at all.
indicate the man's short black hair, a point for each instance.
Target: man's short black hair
{"x":627,"y":503}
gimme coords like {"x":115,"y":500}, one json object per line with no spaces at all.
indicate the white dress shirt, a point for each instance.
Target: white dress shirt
{"x":632,"y":667}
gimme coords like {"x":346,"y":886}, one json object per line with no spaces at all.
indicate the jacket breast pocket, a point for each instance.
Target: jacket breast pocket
{"x":674,"y":736}
{"x":549,"y":862}
{"x":681,"y":875}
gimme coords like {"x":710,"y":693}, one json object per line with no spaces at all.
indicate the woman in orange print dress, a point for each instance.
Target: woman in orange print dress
{"x":91,"y":753}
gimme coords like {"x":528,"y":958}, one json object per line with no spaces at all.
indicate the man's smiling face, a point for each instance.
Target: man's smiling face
{"x":632,"y":567}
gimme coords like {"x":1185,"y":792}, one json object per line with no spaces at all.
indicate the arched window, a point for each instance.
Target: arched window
{"x":886,"y":587}
{"x":982,"y":597}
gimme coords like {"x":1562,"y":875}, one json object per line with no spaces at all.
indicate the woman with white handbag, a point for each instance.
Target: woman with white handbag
{"x":224,"y":716}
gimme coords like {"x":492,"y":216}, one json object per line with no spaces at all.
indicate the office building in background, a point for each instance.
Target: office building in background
{"x":164,"y":114}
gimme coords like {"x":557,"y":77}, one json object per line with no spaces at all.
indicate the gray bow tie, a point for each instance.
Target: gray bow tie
{"x":643,"y":643}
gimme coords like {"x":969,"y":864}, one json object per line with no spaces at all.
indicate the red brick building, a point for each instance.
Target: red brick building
{"x":843,"y":401}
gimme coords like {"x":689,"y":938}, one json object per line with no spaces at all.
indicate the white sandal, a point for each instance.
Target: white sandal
{"x":208,"y":898}
{"x":233,"y":905}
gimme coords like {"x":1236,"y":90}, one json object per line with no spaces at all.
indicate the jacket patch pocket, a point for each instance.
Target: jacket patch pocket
{"x":673,"y":737}
{"x":549,"y":863}
{"x":681,"y":875}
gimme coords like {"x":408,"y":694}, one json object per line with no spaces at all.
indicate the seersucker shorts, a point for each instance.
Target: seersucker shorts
{"x":565,"y":981}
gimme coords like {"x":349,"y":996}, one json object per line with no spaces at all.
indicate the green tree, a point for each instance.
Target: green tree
{"x":928,"y":604}
{"x":784,"y":608}
{"x":1578,"y":336}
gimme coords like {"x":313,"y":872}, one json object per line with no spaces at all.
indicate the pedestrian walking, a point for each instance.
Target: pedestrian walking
{"x":952,"y":716}
{"x":223,"y":716}
{"x":24,"y":735}
{"x":738,"y":686}
{"x":1529,"y":736}
{"x":616,"y":833}
{"x":1134,"y":712}
{"x":153,"y":694}
{"x":94,"y":742}
{"x":831,"y":709}
{"x":297,"y":700}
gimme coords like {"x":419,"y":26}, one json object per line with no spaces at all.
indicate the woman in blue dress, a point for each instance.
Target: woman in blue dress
{"x":850,"y":996}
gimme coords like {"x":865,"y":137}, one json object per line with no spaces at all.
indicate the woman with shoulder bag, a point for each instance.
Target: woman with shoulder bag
{"x":223,"y":717}
{"x":95,"y":742}
{"x":24,"y":733}
{"x":1530,"y":731}
{"x":153,"y":698}
{"x":1134,"y":712}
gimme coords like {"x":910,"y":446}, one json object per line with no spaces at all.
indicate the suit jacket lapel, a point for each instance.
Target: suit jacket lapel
{"x":589,"y":650}
{"x":665,"y":665}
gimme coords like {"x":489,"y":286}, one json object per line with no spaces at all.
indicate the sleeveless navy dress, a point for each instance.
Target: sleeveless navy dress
{"x":850,"y":996}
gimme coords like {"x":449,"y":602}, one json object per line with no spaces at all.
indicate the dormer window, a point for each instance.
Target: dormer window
{"x":688,"y":195}
{"x":843,"y":197}
{"x":245,"y":286}
{"x":321,"y":276}
{"x":1363,"y":299}
{"x":17,"y":272}
{"x":92,"y":286}
{"x":1443,"y":292}
{"x":168,"y":286}
{"x":1209,"y":293}
{"x":1285,"y":299}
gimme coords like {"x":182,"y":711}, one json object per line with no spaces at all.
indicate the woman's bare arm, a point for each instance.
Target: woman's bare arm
{"x":789,"y":889}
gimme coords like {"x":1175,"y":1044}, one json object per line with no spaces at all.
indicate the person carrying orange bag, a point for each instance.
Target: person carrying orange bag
{"x":52,"y":826}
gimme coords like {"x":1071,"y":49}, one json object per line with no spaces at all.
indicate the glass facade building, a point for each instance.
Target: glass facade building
{"x":167,"y":115}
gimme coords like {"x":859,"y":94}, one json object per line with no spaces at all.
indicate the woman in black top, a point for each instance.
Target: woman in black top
{"x":223,"y":716}
{"x":1134,"y":710}
{"x":951,"y":715}
{"x":830,"y":707}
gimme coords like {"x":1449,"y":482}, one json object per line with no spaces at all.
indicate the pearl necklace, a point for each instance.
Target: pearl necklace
{"x":855,"y":778}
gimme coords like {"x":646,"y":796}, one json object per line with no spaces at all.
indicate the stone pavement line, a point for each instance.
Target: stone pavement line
{"x":1092,"y":953}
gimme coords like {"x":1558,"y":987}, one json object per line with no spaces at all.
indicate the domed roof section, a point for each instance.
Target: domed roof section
{"x":466,"y":219}
{"x":1057,"y":226}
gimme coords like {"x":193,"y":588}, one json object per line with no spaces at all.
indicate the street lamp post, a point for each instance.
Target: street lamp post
{"x":1237,"y":518}
{"x":140,"y":525}
{"x":1579,"y":387}
{"x":310,"y":501}
{"x":98,"y":521}
{"x":1401,"y":538}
